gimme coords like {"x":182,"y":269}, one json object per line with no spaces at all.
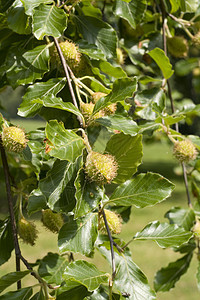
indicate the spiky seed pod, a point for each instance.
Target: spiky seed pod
{"x":27,"y":231}
{"x":196,"y":40}
{"x":196,"y":229}
{"x":185,"y":151}
{"x":87,"y":109}
{"x":114,"y":222}
{"x":14,"y":139}
{"x":71,"y":53}
{"x":177,"y":46}
{"x":51,"y":220}
{"x":120,"y":56}
{"x":101,"y":168}
{"x":108,"y":110}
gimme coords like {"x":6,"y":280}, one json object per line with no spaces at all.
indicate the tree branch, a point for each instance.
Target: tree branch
{"x":18,"y":254}
{"x":164,"y":13}
{"x":111,"y":245}
{"x":65,"y":67}
{"x":11,"y":209}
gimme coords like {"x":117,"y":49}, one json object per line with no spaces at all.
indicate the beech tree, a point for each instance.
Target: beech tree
{"x":104,"y":76}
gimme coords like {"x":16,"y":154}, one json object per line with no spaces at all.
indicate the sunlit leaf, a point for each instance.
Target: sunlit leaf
{"x":39,"y":90}
{"x":143,"y":190}
{"x":122,"y":89}
{"x":162,"y":61}
{"x":52,"y":267}
{"x":79,"y":235}
{"x":133,"y":11}
{"x":48,"y":20}
{"x":164,"y":234}
{"x":17,"y":20}
{"x":27,"y":67}
{"x":129,"y":279}
{"x":99,"y":33}
{"x":88,"y":195}
{"x":65,"y":144}
{"x":128,"y":155}
{"x":30,"y":5}
{"x":182,"y":217}
{"x":120,"y":123}
{"x":85,"y":273}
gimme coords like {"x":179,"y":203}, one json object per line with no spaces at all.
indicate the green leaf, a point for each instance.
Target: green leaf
{"x":162,"y":61}
{"x":122,"y":89}
{"x":143,"y":190}
{"x":85,"y":273}
{"x":39,"y":90}
{"x":120,"y":123}
{"x":6,"y":241}
{"x":88,"y":195}
{"x":10,"y":278}
{"x":150,"y":101}
{"x":166,"y":278}
{"x":79,"y":235}
{"x":189,"y":5}
{"x":17,"y":20}
{"x":54,"y":102}
{"x":22,"y":294}
{"x":129,"y":279}
{"x":72,"y":290}
{"x":36,"y":201}
{"x":91,"y":50}
{"x":128,"y":155}
{"x":53,"y":185}
{"x":133,"y":11}
{"x":163,"y":234}
{"x":26,"y":68}
{"x":97,"y":32}
{"x":98,"y":137}
{"x":66,"y":145}
{"x":48,"y":20}
{"x":52,"y":267}
{"x":182,"y":217}
{"x":38,"y":296}
{"x":29,"y":5}
{"x":175,"y":4}
{"x":109,"y":69}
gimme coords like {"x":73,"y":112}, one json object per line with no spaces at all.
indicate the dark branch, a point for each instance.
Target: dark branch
{"x":164,"y":13}
{"x":111,"y":246}
{"x":18,"y":254}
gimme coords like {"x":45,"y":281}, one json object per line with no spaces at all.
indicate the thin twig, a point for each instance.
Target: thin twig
{"x":164,"y":13}
{"x":18,"y":254}
{"x":111,"y":245}
{"x":65,"y":67}
{"x":11,"y":209}
{"x":186,"y":185}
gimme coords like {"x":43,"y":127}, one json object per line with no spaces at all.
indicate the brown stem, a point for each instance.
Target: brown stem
{"x":111,"y":245}
{"x":164,"y":13}
{"x":65,"y":67}
{"x":186,"y":185}
{"x":18,"y":254}
{"x":11,"y":209}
